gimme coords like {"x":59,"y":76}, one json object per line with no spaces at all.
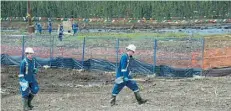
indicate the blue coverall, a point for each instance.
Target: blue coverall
{"x":61,"y":33}
{"x":75,"y":28}
{"x":49,"y":27}
{"x":39,"y":27}
{"x":123,"y":71}
{"x":28,"y":74}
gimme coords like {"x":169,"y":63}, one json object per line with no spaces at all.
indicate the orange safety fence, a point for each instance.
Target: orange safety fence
{"x":220,"y":57}
{"x":216,"y":57}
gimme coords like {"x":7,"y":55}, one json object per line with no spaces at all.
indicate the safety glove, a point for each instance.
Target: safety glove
{"x":126,"y":79}
{"x":23,"y":83}
{"x":35,"y":70}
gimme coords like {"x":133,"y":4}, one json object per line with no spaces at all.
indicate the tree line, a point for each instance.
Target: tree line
{"x":119,"y":9}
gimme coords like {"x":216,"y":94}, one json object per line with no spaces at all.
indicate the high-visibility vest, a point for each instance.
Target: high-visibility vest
{"x":27,"y":66}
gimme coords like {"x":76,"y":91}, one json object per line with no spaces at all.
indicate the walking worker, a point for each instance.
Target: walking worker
{"x":49,"y":26}
{"x":75,"y":28}
{"x":27,"y":79}
{"x":124,"y":72}
{"x":60,"y":31}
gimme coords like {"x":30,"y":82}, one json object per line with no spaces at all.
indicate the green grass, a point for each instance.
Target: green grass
{"x":124,"y":35}
{"x":113,"y":35}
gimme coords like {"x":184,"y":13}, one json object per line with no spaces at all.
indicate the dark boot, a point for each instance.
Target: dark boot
{"x":113,"y":100}
{"x":25,"y":104}
{"x":139,"y":99}
{"x":30,"y":98}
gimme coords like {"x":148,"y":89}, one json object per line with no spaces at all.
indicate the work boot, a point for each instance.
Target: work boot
{"x":113,"y":100}
{"x":31,"y":96}
{"x":139,"y":99}
{"x":25,"y":104}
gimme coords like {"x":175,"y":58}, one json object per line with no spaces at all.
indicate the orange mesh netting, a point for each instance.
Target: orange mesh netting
{"x":220,"y":57}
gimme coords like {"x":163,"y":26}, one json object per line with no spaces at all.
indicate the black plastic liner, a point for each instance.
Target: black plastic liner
{"x":136,"y":66}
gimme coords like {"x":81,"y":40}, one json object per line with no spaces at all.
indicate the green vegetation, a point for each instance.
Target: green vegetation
{"x":116,"y":9}
{"x":109,"y":35}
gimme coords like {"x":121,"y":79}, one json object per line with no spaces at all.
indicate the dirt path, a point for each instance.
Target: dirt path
{"x":69,"y":90}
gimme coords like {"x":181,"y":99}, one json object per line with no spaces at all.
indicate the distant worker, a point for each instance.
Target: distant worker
{"x":124,"y":73}
{"x":38,"y":27}
{"x":75,"y":28}
{"x":60,"y":32}
{"x":49,"y":26}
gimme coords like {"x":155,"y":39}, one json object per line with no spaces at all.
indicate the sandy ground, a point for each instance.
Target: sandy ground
{"x":70,"y":90}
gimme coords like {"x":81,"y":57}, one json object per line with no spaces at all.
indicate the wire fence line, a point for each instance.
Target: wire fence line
{"x":175,"y":52}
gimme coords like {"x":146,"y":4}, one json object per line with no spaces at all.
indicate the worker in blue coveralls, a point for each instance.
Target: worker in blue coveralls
{"x":75,"y":28}
{"x":27,"y":79}
{"x":39,"y":28}
{"x":124,"y":72}
{"x":49,"y":26}
{"x":60,"y":31}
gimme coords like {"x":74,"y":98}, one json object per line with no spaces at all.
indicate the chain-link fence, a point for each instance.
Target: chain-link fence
{"x":11,"y":45}
{"x":175,"y":52}
{"x":180,"y":52}
{"x":217,"y":51}
{"x":100,"y":48}
{"x":40,"y":44}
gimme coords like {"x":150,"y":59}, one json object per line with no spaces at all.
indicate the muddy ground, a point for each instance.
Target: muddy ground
{"x":70,"y":90}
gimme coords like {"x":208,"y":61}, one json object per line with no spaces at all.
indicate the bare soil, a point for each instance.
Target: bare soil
{"x":71,"y":90}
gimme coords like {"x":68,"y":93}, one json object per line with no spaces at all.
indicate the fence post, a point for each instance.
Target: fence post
{"x":117,"y":53}
{"x":203,"y":50}
{"x":84,"y":41}
{"x":154,"y":56}
{"x":23,"y":44}
{"x":50,"y":50}
{"x":53,"y":47}
{"x":52,"y":54}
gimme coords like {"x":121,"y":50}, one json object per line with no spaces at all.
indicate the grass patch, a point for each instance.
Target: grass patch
{"x":125,"y":35}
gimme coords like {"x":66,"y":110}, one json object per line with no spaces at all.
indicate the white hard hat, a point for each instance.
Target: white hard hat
{"x":29,"y":50}
{"x":131,"y":47}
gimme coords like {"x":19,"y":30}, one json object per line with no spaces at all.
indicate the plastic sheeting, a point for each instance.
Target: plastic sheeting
{"x":66,"y":63}
{"x":217,"y":72}
{"x":10,"y":60}
{"x":104,"y":65}
{"x":141,"y":67}
{"x":167,"y":71}
{"x":99,"y":64}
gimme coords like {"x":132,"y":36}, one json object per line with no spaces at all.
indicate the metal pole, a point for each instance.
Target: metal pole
{"x":29,"y":15}
{"x":84,"y":42}
{"x":23,"y":45}
{"x":52,"y":53}
{"x":62,"y":49}
{"x":50,"y":50}
{"x":203,"y":50}
{"x":154,"y":56}
{"x":117,"y":53}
